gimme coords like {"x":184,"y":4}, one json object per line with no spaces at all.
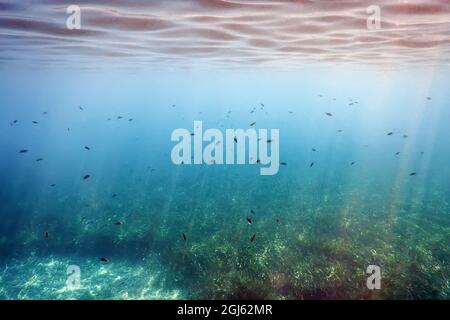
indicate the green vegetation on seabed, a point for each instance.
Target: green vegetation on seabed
{"x":312,"y":241}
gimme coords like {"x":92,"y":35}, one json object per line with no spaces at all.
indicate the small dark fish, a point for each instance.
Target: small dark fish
{"x":39,"y":159}
{"x":405,"y":136}
{"x":46,"y":234}
{"x":312,"y":163}
{"x":105,"y":260}
{"x":184,"y":236}
{"x":35,"y":122}
{"x":252,"y":124}
{"x":353,"y":163}
{"x":114,"y":195}
{"x":45,"y":112}
{"x":15,"y":121}
{"x":249,"y":220}
{"x":320,"y":96}
{"x":422,"y":153}
{"x":252,"y":211}
{"x":339,"y":130}
{"x":86,"y":177}
{"x":23,"y":151}
{"x":329,"y":114}
{"x":397,"y":153}
{"x":313,"y":149}
{"x":109,"y":119}
{"x":131,"y":119}
{"x":53,"y":185}
{"x":119,"y":117}
{"x":68,"y":129}
{"x":269,"y":141}
{"x":119,"y":223}
{"x":413,"y":174}
{"x":277,"y":220}
{"x":81,"y":108}
{"x":87,"y":148}
{"x":390,"y":133}
{"x":428,"y":98}
{"x":253,"y":238}
{"x":192,"y":134}
{"x":283,"y":163}
{"x":235,"y":139}
{"x":258,"y":161}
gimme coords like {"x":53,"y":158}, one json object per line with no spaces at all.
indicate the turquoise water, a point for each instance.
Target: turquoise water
{"x":172,"y":232}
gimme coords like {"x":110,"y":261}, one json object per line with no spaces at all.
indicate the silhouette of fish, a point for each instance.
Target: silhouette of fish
{"x":39,"y":159}
{"x":397,"y":153}
{"x":105,"y":260}
{"x":413,"y":174}
{"x":313,"y":149}
{"x":35,"y":122}
{"x":269,"y":141}
{"x":119,"y":222}
{"x":114,"y":195}
{"x":87,"y":148}
{"x":119,"y":117}
{"x":235,"y":139}
{"x":86,"y":177}
{"x":329,"y":114}
{"x":46,"y":234}
{"x":53,"y":185}
{"x":184,"y":236}
{"x":253,"y":238}
{"x":312,"y":163}
{"x":249,"y":220}
{"x":131,"y":119}
{"x":252,"y":124}
{"x":283,"y":163}
{"x":23,"y":151}
{"x":81,"y":108}
{"x":353,"y":163}
{"x":390,"y":133}
{"x":252,"y":211}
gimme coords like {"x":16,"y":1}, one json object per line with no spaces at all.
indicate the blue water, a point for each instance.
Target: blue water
{"x":317,"y":227}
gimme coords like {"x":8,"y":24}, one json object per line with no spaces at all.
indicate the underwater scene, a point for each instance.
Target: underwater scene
{"x":224,"y":150}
